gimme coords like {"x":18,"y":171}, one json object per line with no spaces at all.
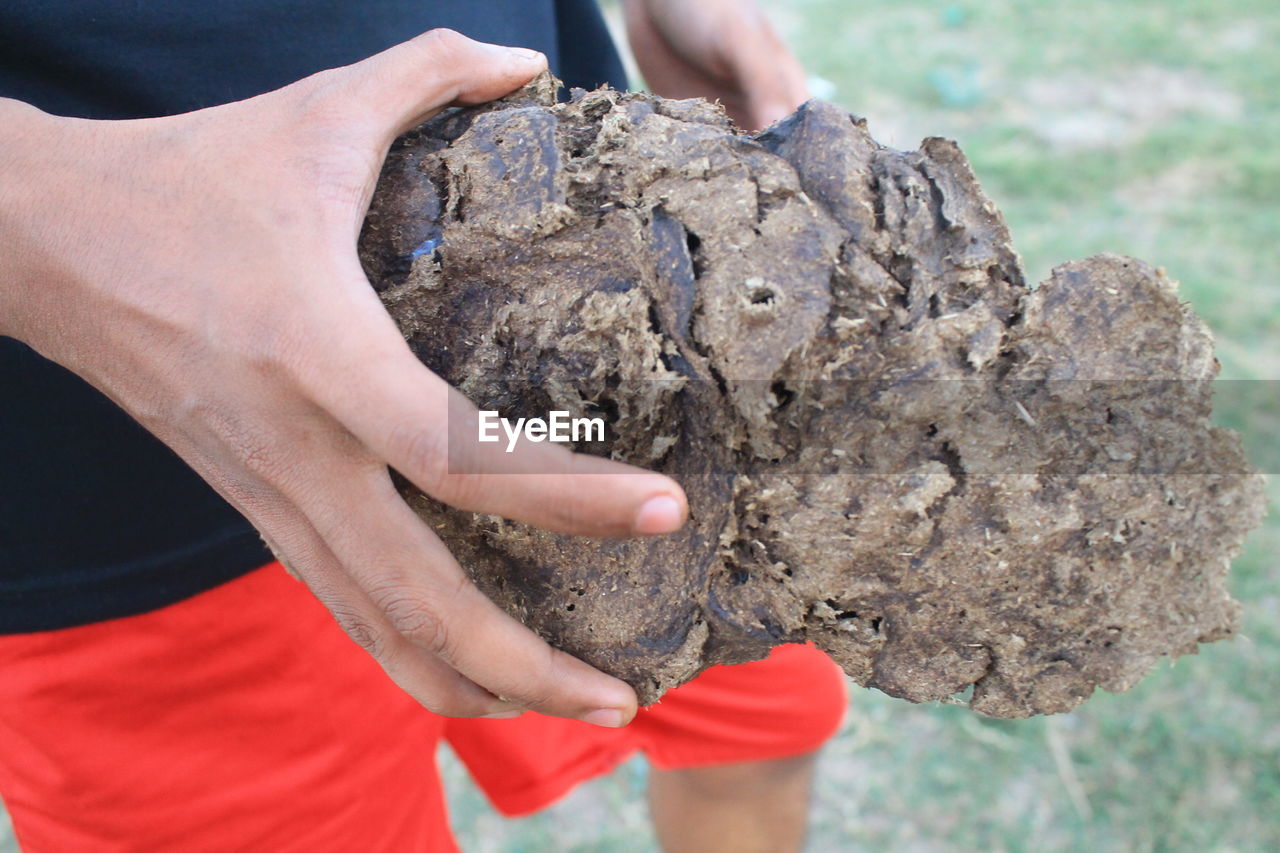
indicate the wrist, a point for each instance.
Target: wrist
{"x":27,"y":170}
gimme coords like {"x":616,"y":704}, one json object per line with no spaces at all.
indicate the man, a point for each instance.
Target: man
{"x":189,"y":266}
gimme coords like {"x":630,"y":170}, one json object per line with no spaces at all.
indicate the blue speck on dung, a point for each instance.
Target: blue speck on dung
{"x":426,"y":247}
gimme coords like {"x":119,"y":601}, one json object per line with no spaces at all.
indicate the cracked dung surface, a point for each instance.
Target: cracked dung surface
{"x":893,"y":447}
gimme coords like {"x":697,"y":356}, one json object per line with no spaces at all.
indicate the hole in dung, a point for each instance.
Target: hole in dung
{"x":782,"y":395}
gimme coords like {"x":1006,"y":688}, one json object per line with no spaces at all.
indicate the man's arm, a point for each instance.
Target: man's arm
{"x":201,"y":271}
{"x":723,"y":50}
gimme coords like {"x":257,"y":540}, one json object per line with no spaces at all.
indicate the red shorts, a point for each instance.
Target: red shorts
{"x":243,"y":719}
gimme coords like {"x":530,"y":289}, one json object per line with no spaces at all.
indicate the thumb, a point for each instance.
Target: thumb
{"x":407,"y":84}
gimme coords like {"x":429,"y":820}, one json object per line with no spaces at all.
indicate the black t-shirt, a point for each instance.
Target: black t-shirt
{"x":97,"y":518}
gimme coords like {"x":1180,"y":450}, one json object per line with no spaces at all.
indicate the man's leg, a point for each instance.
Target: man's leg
{"x":755,"y":807}
{"x":732,"y":752}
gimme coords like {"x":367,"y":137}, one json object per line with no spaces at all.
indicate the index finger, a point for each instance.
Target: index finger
{"x":411,"y":419}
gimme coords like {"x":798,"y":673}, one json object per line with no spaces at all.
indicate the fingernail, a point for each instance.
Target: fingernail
{"x":527,"y":53}
{"x":503,"y":715}
{"x":660,"y":514}
{"x":609,"y":718}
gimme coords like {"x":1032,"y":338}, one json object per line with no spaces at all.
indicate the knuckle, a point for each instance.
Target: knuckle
{"x":465,"y":491}
{"x":446,"y":55}
{"x":255,"y":448}
{"x":360,"y":629}
{"x":443,"y":41}
{"x":425,"y":452}
{"x":415,"y":616}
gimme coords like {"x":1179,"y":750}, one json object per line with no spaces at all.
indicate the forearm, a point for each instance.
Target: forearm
{"x":52,"y":173}
{"x":82,"y":210}
{"x":25,"y":235}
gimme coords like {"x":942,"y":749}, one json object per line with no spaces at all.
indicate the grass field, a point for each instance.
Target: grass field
{"x":1146,"y":127}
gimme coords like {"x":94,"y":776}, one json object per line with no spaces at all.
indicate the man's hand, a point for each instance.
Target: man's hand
{"x":722,"y":50}
{"x":201,"y":271}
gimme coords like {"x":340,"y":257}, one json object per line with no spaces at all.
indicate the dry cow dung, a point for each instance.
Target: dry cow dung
{"x":955,"y":484}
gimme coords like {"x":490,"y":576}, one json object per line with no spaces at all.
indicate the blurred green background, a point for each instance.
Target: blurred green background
{"x":1146,"y":127}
